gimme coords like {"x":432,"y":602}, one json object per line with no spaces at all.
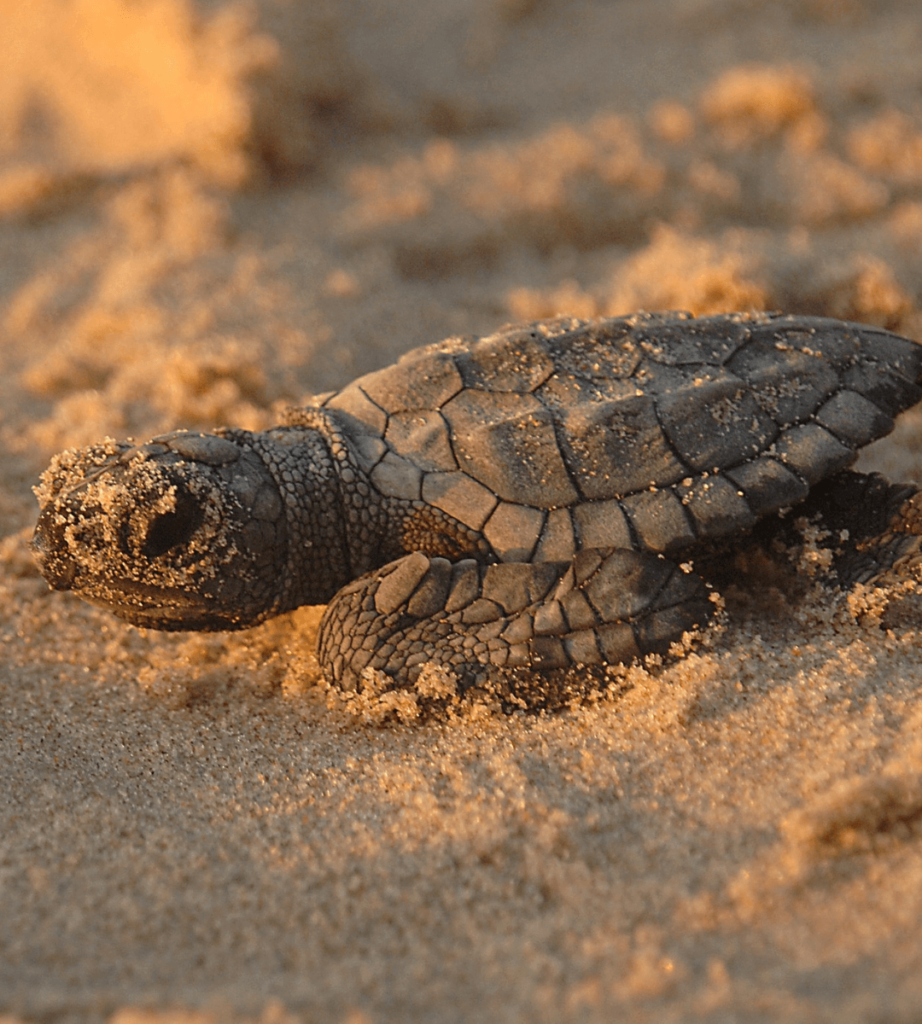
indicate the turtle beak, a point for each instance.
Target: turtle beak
{"x":49,"y":549}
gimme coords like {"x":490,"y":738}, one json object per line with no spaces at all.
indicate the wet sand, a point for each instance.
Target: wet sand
{"x":207,"y":214}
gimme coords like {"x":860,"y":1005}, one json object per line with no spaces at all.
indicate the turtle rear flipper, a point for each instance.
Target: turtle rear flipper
{"x":871,"y":528}
{"x":883,"y":521}
{"x":483,"y":622}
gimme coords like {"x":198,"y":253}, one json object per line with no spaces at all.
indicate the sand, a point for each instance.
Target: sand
{"x":208,"y":211}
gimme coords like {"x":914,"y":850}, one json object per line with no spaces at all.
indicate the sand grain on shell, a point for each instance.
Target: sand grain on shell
{"x":209,"y":214}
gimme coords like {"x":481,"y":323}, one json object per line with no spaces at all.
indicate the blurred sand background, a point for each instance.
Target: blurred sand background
{"x":208,"y":210}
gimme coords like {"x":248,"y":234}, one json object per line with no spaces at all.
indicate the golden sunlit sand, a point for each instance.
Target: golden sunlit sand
{"x":208,"y":211}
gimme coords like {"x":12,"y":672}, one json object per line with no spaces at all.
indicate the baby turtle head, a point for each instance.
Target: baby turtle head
{"x":185,"y":532}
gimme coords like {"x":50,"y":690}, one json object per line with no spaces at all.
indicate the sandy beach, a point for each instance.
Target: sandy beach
{"x":209,"y":211}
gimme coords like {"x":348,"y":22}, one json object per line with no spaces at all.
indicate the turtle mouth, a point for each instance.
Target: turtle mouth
{"x":128,"y":598}
{"x":154,"y":607}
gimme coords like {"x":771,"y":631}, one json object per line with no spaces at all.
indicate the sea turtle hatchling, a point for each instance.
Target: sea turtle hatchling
{"x":492,"y":504}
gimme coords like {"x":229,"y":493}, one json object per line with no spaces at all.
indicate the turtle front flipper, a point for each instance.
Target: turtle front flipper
{"x":605,"y":606}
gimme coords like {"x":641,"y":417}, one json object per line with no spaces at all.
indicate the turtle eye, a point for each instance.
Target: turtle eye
{"x":173,"y":528}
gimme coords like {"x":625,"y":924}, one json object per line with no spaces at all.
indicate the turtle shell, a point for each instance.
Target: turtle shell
{"x":653,"y":431}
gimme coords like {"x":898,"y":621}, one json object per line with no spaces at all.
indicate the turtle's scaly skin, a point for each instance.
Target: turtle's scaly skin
{"x":485,"y":504}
